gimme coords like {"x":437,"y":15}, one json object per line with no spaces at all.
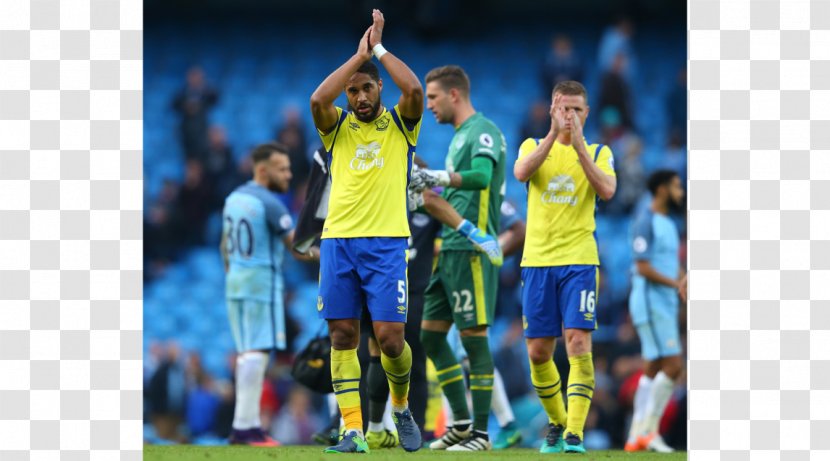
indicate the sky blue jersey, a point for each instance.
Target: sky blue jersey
{"x":654,"y":238}
{"x":254,"y":224}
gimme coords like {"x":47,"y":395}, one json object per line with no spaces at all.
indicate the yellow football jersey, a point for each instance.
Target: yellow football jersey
{"x":560,"y":207}
{"x":369,"y":165}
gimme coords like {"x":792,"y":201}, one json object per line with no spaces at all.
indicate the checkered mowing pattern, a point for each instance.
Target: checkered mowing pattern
{"x":70,"y":230}
{"x":759,"y":230}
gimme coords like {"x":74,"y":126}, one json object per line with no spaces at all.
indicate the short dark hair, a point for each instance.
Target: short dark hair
{"x":660,"y":178}
{"x":570,"y":88}
{"x":264,"y":151}
{"x":450,"y":77}
{"x":369,"y":68}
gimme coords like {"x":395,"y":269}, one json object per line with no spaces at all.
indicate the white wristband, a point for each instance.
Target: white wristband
{"x":444,"y":177}
{"x":378,"y":50}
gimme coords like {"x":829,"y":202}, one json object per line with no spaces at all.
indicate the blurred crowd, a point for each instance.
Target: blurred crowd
{"x":184,"y":402}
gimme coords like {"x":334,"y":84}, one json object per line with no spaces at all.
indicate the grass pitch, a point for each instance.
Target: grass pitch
{"x":303,"y":453}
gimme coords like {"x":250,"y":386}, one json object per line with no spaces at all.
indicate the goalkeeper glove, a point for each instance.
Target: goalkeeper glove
{"x":427,"y":179}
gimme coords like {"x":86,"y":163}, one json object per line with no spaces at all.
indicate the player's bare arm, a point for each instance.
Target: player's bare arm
{"x":513,"y":238}
{"x":312,"y":254}
{"x":648,"y":271}
{"x":223,"y":250}
{"x":322,"y":100}
{"x":411,"y":104}
{"x":605,"y":185}
{"x":526,"y":167}
{"x":441,"y":209}
{"x":683,"y":287}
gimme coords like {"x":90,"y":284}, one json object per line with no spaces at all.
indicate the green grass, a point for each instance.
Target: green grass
{"x":303,"y":453}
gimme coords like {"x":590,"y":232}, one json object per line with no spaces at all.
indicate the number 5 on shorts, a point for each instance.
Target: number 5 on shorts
{"x":402,"y":291}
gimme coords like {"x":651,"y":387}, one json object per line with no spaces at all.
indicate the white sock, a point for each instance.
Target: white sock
{"x":376,"y":427}
{"x":388,"y":422}
{"x":333,"y":408}
{"x":641,"y":398}
{"x":661,"y":391}
{"x":250,"y":372}
{"x":500,"y":403}
{"x":447,"y":411}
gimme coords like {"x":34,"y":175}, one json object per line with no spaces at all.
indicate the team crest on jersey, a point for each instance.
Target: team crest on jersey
{"x":366,"y":157}
{"x":561,"y":189}
{"x":382,"y":123}
{"x":459,"y":141}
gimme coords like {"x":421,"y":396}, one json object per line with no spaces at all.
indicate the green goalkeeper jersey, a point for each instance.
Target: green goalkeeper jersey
{"x":477,"y":136}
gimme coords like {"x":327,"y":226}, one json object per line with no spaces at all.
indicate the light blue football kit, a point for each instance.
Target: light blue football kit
{"x":654,"y":307}
{"x":254,"y":224}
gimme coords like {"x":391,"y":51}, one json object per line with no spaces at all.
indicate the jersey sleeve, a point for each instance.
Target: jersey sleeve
{"x":483,"y":143}
{"x":410,"y":129}
{"x":278,"y":218}
{"x":509,"y":216}
{"x":642,"y":238}
{"x":528,"y":146}
{"x":328,"y":138}
{"x":605,"y":161}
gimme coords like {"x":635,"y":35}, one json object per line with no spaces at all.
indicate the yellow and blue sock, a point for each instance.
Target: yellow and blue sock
{"x":548,"y":386}
{"x":580,"y":392}
{"x":345,"y":378}
{"x":397,"y":373}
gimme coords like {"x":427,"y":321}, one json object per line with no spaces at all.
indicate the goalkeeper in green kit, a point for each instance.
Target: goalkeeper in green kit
{"x":463,"y":286}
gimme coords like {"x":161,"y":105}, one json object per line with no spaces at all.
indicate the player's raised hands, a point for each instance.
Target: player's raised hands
{"x":577,"y":138}
{"x":377,"y":28}
{"x":557,"y":115}
{"x":364,"y":49}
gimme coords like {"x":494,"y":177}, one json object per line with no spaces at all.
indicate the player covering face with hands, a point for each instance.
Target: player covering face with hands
{"x":560,"y":273}
{"x":363,"y":252}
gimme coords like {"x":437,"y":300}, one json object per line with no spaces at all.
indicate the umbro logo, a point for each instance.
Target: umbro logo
{"x":354,"y":126}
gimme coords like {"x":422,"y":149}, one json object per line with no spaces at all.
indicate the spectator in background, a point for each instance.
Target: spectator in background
{"x":297,"y":421}
{"x":219,"y":166}
{"x":617,"y":41}
{"x":631,"y":176}
{"x":166,"y":395}
{"x":161,"y":237}
{"x":615,"y":91}
{"x":676,"y":108}
{"x":561,"y":63}
{"x":193,"y":205}
{"x":675,"y":156}
{"x":292,"y":135}
{"x":202,"y":402}
{"x":193,"y":103}
{"x":537,"y":124}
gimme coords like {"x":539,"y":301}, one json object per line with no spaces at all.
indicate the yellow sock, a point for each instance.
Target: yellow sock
{"x":546,"y":382}
{"x":580,"y":392}
{"x":397,"y":373}
{"x":345,"y":378}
